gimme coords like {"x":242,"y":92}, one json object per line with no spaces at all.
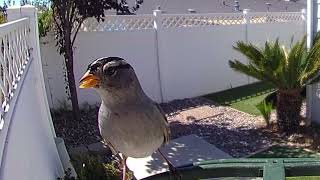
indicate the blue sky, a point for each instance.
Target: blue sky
{"x":1,"y":2}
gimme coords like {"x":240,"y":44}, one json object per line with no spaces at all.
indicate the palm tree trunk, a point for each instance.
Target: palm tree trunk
{"x":288,"y":110}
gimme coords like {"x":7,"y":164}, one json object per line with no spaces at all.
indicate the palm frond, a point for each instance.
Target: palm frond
{"x":253,"y":53}
{"x":316,"y":38}
{"x":252,"y":71}
{"x":284,"y":68}
{"x":312,"y":64}
{"x":295,"y":58}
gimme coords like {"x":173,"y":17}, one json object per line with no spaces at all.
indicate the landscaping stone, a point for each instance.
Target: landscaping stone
{"x":82,"y":149}
{"x":76,"y":133}
{"x":100,"y":149}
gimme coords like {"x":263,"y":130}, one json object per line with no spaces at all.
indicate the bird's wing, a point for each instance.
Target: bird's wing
{"x":166,"y":129}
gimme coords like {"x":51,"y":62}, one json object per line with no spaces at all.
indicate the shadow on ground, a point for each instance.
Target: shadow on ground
{"x":286,"y":152}
{"x":230,"y":141}
{"x":236,"y":94}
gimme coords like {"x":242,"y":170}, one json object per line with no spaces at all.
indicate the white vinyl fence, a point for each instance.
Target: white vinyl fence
{"x":175,"y":55}
{"x":28,"y":148}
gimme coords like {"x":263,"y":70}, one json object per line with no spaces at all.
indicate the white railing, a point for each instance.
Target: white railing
{"x":14,"y":54}
{"x":141,"y":22}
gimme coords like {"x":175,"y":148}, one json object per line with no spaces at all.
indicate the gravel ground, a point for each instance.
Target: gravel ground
{"x":232,"y":131}
{"x":75,"y":133}
{"x":237,"y":133}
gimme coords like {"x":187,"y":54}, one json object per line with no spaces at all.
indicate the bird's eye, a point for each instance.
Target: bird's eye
{"x":111,"y":71}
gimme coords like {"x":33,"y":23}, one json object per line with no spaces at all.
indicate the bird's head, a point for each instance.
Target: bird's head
{"x":108,"y":73}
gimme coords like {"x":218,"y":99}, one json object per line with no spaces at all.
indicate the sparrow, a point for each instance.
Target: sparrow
{"x":129,"y":121}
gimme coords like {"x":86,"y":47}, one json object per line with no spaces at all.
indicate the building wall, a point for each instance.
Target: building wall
{"x":219,"y":6}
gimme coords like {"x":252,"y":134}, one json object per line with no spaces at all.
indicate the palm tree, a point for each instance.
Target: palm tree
{"x":289,"y":70}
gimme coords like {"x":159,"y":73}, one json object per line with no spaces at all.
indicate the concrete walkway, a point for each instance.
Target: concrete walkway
{"x":180,"y":151}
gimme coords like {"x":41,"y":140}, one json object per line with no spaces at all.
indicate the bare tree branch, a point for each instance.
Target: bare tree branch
{"x":77,"y":30}
{"x":55,"y":20}
{"x":73,"y":13}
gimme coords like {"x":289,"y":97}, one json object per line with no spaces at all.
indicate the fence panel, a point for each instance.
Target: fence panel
{"x":175,"y":55}
{"x":194,"y":61}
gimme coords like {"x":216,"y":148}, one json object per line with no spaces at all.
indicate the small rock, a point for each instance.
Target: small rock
{"x":78,"y":150}
{"x":99,"y":148}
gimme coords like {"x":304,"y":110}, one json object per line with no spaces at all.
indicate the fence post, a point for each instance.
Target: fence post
{"x":310,"y":22}
{"x":158,"y":26}
{"x":247,"y":18}
{"x":32,"y":13}
{"x":304,"y":20}
{"x":13,"y":13}
{"x":312,"y":26}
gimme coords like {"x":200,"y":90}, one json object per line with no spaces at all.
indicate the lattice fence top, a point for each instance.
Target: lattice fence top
{"x":201,"y":20}
{"x":120,"y":23}
{"x":141,"y":22}
{"x":258,"y":18}
{"x":14,"y":54}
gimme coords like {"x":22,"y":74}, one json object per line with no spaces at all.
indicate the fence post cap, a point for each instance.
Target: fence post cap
{"x":246,"y":11}
{"x":157,"y":12}
{"x":28,"y":8}
{"x":13,"y":13}
{"x":15,"y":7}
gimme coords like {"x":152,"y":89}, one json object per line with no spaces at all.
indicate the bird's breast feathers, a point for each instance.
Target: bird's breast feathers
{"x":136,"y":132}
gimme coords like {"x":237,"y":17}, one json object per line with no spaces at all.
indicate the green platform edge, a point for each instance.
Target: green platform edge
{"x":268,"y":168}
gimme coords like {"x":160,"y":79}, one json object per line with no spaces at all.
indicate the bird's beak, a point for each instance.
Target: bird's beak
{"x":89,"y":80}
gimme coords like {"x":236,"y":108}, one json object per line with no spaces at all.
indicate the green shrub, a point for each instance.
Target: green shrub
{"x":45,"y":22}
{"x":2,"y":18}
{"x":91,"y":167}
{"x":265,"y":109}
